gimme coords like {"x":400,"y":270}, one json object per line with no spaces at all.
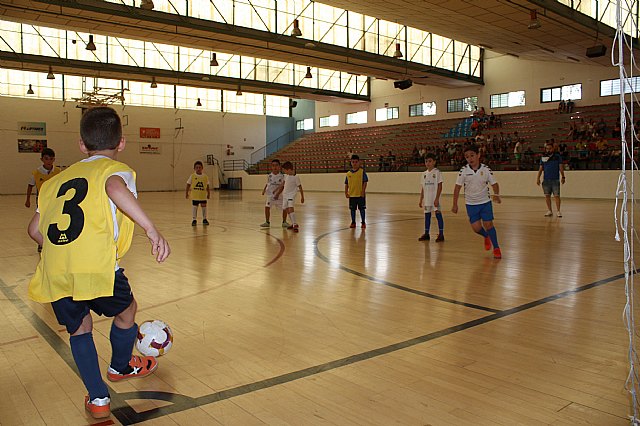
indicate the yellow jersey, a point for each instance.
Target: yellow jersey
{"x":354,"y":181}
{"x":199,"y":185}
{"x":41,"y":178}
{"x":84,"y":233}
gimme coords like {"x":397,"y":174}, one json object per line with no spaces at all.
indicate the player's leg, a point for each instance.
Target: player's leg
{"x":556,"y":193}
{"x":203,"y":206}
{"x":362,"y":207}
{"x":486,"y":214}
{"x":267,"y":214}
{"x":440,"y":220}
{"x":546,"y":188}
{"x":194,"y":212}
{"x":285,"y":224}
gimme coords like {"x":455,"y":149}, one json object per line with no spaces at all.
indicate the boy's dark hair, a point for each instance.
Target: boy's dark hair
{"x":472,"y":147}
{"x":430,"y":155}
{"x":355,"y":157}
{"x":100,"y":129}
{"x":287,"y":165}
{"x":196,"y":163}
{"x":47,"y":151}
{"x":275,"y":160}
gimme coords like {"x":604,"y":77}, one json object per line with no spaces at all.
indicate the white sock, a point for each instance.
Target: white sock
{"x":204,"y":212}
{"x":195,"y":212}
{"x":292,"y":216}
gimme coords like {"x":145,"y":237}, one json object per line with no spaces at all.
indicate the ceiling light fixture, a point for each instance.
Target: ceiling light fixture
{"x":214,"y":60}
{"x":308,"y":74}
{"x":534,"y":23}
{"x":199,"y":103}
{"x":397,"y":53}
{"x":153,"y":83}
{"x":30,"y":91}
{"x":146,"y":4}
{"x":50,"y":76}
{"x":295,"y":32}
{"x":239,"y":92}
{"x":91,"y":45}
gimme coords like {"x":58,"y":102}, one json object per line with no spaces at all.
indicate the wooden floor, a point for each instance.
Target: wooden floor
{"x":343,"y":326}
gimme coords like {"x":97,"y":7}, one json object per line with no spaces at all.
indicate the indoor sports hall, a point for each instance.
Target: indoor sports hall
{"x":334,"y":324}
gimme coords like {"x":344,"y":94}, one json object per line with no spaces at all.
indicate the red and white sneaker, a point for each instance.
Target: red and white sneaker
{"x":141,"y":366}
{"x":99,"y":408}
{"x":295,"y":228}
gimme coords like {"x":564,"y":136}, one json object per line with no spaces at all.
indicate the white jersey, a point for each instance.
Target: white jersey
{"x":475,"y":183}
{"x":291,"y":184}
{"x":430,"y":181}
{"x":273,"y":183}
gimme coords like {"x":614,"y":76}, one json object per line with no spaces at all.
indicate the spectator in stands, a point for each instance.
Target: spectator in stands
{"x":415,"y":154}
{"x":475,"y":127}
{"x":615,"y":158}
{"x":517,"y":152}
{"x":569,"y":106}
{"x":562,"y":150}
{"x":562,"y":106}
{"x":601,"y":127}
{"x":573,"y":131}
{"x":615,"y":132}
{"x":381,"y":162}
{"x":551,"y":166}
{"x":391,"y":161}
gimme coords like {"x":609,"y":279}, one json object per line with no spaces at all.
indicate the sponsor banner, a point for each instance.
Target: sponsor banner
{"x":31,"y":145}
{"x":149,"y":148}
{"x":32,"y":128}
{"x":149,"y":133}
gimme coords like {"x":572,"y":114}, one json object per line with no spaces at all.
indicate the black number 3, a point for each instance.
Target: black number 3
{"x":72,"y":208}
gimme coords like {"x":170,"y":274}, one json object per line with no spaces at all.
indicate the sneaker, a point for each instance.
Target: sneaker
{"x":99,"y":408}
{"x":295,"y":228}
{"x":487,"y":243}
{"x":265,"y":225}
{"x":497,"y":254}
{"x":424,"y":237}
{"x":353,"y":225}
{"x":364,"y":225}
{"x":205,"y":222}
{"x":285,"y":224}
{"x":39,"y":248}
{"x":549,"y":213}
{"x":559,"y":214}
{"x":194,"y":222}
{"x":440,"y":238}
{"x":141,"y":366}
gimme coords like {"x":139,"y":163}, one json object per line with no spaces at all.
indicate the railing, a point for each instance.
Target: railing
{"x":232,"y":165}
{"x":275,"y":145}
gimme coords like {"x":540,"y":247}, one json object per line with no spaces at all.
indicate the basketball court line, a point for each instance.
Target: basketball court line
{"x":388,"y":283}
{"x":127,"y":415}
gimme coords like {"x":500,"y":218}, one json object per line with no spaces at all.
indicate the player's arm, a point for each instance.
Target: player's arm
{"x":278,"y":191}
{"x":421,"y":196}
{"x":561,"y":171}
{"x":265,"y":188}
{"x":456,"y":194}
{"x":33,"y":230}
{"x":539,"y":174}
{"x":123,"y":198}
{"x":496,"y":193}
{"x":29,"y":190}
{"x":364,"y":188}
{"x":208,"y":192}
{"x":187,"y":190}
{"x":436,"y":202}
{"x":346,"y":190}
{"x":301,"y":194}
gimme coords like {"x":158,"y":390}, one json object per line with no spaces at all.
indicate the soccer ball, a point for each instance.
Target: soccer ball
{"x":154,"y":338}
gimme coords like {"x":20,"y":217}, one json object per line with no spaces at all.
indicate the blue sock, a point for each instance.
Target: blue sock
{"x":494,"y":237}
{"x":122,"y":346}
{"x":483,"y":232}
{"x":84,"y":353}
{"x":353,"y":216}
{"x":362,"y":215}
{"x":440,"y":222}
{"x":427,"y":222}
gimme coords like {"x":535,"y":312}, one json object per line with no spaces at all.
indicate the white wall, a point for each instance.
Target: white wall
{"x":579,"y":183}
{"x":502,"y":73}
{"x":203,"y":133}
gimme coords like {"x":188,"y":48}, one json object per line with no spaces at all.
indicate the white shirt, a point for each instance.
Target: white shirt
{"x":273,"y":183}
{"x":291,"y":184}
{"x":475,"y":183}
{"x":430,"y":181}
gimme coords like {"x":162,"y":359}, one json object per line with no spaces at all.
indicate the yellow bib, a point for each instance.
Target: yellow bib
{"x":199,"y":185}
{"x":79,"y":251}
{"x":41,"y":178}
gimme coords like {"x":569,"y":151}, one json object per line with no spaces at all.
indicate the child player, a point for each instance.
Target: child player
{"x":475,"y":177}
{"x":355,"y":187}
{"x":289,"y":189}
{"x":198,"y":185}
{"x":430,"y":197}
{"x":85,"y":222}
{"x":274,"y":180}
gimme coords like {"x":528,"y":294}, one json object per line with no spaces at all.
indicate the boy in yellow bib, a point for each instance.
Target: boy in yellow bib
{"x":84,"y":222}
{"x":198,"y":186}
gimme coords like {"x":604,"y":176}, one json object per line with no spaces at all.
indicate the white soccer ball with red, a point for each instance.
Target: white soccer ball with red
{"x":154,"y":338}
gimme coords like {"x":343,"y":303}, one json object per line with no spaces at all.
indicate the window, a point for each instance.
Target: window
{"x":462,"y":105}
{"x":329,"y":121}
{"x":555,"y":94}
{"x":306,"y":124}
{"x":612,"y":87}
{"x":384,"y":114}
{"x":426,"y":108}
{"x":359,"y":117}
{"x":505,"y":100}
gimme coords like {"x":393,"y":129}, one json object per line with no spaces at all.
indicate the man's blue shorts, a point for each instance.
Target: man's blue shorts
{"x":70,"y":313}
{"x":480,"y":211}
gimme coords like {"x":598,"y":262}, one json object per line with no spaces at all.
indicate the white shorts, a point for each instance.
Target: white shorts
{"x":288,"y":202}
{"x":273,"y":203}
{"x":428,"y":208}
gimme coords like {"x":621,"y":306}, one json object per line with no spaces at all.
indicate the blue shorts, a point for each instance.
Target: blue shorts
{"x":70,"y":313}
{"x":551,"y":186}
{"x":203,"y":203}
{"x":480,"y":211}
{"x":357,"y":203}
